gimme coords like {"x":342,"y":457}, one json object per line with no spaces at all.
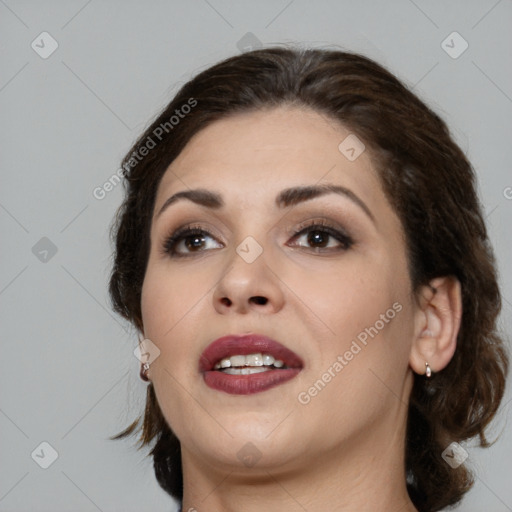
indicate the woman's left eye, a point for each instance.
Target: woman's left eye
{"x":321,"y":237}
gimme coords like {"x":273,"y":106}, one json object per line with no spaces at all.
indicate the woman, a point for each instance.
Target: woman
{"x":303,"y":253}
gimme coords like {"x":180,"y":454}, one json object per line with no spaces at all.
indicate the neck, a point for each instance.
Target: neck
{"x":346,"y":478}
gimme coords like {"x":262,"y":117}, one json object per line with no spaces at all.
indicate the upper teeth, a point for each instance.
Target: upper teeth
{"x":249,"y":360}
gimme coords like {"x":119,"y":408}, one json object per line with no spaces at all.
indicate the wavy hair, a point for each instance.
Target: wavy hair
{"x":427,"y":180}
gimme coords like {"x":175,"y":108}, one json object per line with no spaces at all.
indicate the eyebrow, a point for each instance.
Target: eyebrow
{"x":286,"y":198}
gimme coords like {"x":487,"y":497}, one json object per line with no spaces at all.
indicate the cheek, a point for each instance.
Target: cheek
{"x":360,"y":375}
{"x":358,"y":311}
{"x":167,"y":297}
{"x":171,"y":313}
{"x":344,"y":297}
{"x":174,"y":313}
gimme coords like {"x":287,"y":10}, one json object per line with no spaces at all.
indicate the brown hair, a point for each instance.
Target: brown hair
{"x":426,"y":178}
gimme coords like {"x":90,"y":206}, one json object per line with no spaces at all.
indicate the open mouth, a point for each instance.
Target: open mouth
{"x":248,"y":364}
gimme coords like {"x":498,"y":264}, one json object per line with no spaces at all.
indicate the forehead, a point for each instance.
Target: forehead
{"x":266,"y":151}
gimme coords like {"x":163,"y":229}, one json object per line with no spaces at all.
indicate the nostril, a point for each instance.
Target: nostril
{"x":259,"y":300}
{"x":226,"y":301}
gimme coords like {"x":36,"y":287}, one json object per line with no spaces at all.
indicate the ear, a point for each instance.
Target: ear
{"x":437,"y":323}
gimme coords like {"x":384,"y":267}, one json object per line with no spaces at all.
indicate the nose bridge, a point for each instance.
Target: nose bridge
{"x":249,"y":283}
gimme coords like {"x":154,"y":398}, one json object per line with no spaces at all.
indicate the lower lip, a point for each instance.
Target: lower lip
{"x":248,"y":384}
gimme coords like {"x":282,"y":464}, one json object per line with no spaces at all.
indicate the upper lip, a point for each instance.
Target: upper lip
{"x":234,"y":344}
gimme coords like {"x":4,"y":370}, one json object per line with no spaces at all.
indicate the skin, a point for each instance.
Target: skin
{"x":344,"y":449}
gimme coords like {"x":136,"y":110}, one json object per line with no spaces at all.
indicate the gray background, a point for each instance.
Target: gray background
{"x":68,"y":374}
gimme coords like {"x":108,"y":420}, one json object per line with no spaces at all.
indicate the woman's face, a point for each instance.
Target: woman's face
{"x":337,"y":295}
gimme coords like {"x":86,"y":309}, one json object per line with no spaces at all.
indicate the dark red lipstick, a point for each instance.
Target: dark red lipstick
{"x":287,"y":364}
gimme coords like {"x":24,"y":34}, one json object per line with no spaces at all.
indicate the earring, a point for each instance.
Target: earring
{"x":428,"y":371}
{"x":143,"y":372}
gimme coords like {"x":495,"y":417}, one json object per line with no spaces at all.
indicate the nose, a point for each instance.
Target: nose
{"x":248,"y":287}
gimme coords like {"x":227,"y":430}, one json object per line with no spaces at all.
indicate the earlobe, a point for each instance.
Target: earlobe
{"x":437,"y":325}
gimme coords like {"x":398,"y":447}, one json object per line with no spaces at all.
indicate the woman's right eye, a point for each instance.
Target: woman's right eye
{"x":185,"y":242}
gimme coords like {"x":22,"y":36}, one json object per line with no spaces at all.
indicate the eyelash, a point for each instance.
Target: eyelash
{"x":322,"y":226}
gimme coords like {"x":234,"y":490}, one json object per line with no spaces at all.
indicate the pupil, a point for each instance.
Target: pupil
{"x":194,"y":242}
{"x":317,"y":238}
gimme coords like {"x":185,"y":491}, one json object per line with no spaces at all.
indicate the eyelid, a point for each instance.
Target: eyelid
{"x":315,"y":221}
